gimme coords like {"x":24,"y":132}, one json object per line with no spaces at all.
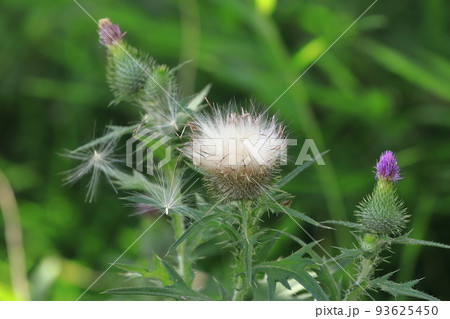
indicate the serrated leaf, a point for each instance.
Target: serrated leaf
{"x":290,"y":176}
{"x":350,"y":254}
{"x":294,"y":267}
{"x":159,"y":272}
{"x":400,"y":289}
{"x":325,"y":272}
{"x":411,"y":241}
{"x":162,"y":271}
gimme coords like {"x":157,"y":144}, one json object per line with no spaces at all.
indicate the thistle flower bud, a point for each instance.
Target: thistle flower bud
{"x":387,"y":168}
{"x":382,"y":212}
{"x":109,"y":33}
{"x":238,"y":153}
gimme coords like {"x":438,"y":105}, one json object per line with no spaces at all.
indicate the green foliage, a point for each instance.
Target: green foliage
{"x":178,"y":290}
{"x":412,"y":241}
{"x":294,"y":266}
{"x":400,"y":289}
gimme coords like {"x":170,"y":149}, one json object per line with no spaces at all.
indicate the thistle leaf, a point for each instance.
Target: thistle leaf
{"x":178,"y":290}
{"x":158,"y":271}
{"x":400,"y":289}
{"x":411,"y":241}
{"x":294,"y":267}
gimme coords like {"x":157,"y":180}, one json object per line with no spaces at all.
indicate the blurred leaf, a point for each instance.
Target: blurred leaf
{"x":265,"y":7}
{"x":413,"y":71}
{"x":177,"y":293}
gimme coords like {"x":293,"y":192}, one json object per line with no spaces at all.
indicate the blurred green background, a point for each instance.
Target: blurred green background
{"x":384,"y":85}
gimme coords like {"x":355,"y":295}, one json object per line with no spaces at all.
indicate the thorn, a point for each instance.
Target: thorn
{"x":206,"y":99}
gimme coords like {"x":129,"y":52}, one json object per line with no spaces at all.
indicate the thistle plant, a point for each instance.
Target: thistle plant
{"x":236,"y":151}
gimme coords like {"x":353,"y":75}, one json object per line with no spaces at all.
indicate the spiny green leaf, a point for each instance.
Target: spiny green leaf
{"x":400,"y":289}
{"x":411,"y":241}
{"x":286,"y":179}
{"x":159,"y":272}
{"x":167,"y":275}
{"x":291,"y":267}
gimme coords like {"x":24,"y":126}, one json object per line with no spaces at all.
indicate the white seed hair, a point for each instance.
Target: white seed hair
{"x":94,"y":161}
{"x":237,"y":150}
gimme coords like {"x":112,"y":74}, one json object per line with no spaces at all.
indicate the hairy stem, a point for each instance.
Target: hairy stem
{"x":365,"y":272}
{"x":183,"y":260}
{"x":243,"y":272}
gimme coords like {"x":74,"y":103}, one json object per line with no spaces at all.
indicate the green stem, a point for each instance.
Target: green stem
{"x":358,"y":287}
{"x":243,"y":272}
{"x":183,"y":260}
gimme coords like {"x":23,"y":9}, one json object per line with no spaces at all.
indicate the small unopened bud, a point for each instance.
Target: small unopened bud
{"x":109,"y":33}
{"x":382,"y":212}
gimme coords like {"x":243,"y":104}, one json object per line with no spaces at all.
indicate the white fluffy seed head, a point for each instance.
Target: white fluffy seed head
{"x":238,"y":152}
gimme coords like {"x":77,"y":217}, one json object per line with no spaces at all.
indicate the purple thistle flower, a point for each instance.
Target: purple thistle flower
{"x":109,"y":33}
{"x":387,"y":167}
